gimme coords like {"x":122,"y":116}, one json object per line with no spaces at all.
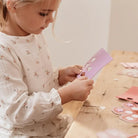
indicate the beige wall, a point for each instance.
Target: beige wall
{"x":124,"y":25}
{"x":90,"y":25}
{"x":86,"y":24}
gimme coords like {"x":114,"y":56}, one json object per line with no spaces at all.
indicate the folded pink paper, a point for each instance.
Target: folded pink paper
{"x":130,"y":95}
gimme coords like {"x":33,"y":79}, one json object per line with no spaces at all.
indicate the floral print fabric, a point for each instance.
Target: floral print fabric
{"x":29,"y":101}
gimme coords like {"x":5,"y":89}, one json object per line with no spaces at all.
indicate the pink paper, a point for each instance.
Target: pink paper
{"x":96,"y":63}
{"x":130,"y":95}
{"x":134,"y":136}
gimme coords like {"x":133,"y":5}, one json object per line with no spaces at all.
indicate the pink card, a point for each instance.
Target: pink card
{"x":96,"y":63}
{"x":131,"y":95}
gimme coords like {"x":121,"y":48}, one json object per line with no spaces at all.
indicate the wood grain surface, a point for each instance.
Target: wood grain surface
{"x":90,"y":117}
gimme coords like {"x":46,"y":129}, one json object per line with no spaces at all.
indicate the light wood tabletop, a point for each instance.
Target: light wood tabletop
{"x":89,"y":118}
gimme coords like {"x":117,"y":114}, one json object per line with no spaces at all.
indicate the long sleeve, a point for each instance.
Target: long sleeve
{"x":55,"y":75}
{"x":20,"y":106}
{"x":29,"y":101}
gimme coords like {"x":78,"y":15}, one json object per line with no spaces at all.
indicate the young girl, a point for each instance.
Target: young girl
{"x":30,"y":97}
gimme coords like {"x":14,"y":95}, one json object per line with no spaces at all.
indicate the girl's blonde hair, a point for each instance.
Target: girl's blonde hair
{"x":3,"y":10}
{"x":19,"y":3}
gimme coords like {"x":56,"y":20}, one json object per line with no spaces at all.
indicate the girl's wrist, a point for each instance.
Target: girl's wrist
{"x":60,"y":78}
{"x":65,"y":94}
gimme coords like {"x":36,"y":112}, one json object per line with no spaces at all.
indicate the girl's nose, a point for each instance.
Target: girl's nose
{"x":50,"y":19}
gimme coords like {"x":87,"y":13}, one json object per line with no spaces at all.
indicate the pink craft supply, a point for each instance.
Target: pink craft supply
{"x":96,"y":63}
{"x":127,"y":112}
{"x":111,"y":133}
{"x":134,"y":109}
{"x":118,"y":110}
{"x":121,"y":110}
{"x":133,"y":118}
{"x":130,"y":104}
{"x":134,"y":136}
{"x":129,"y":72}
{"x":130,"y":65}
{"x":130,"y":95}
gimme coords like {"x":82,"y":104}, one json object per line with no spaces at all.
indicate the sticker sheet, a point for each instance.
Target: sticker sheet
{"x":96,"y":63}
{"x":128,"y":112}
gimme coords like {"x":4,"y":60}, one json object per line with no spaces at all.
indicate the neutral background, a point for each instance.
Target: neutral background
{"x":124,"y":25}
{"x":84,"y":26}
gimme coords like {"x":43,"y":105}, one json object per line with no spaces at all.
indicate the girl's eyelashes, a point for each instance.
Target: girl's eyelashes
{"x":43,"y":14}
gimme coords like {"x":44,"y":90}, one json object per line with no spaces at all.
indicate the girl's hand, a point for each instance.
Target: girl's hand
{"x":68,"y":74}
{"x":78,"y":90}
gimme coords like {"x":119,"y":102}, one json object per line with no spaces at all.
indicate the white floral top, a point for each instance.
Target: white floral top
{"x":29,"y":102}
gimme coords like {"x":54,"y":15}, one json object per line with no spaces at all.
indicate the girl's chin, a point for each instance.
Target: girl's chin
{"x":37,"y":32}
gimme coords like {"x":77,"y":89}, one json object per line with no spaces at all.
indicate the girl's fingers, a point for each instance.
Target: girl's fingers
{"x":90,"y":81}
{"x":78,"y":66}
{"x":82,"y":78}
{"x":77,"y":69}
{"x":71,"y":79}
{"x":90,"y":87}
{"x":82,"y":73}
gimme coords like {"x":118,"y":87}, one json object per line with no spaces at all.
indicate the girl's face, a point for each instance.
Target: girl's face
{"x":34,"y":17}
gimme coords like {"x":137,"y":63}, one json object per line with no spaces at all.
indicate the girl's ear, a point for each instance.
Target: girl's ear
{"x":10,"y":4}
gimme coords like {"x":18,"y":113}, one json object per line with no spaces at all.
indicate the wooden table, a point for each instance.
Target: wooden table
{"x":89,"y":119}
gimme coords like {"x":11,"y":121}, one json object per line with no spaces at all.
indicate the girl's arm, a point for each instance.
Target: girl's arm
{"x":17,"y":105}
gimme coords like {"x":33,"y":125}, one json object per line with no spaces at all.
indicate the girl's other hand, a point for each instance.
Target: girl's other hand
{"x":69,"y":74}
{"x":78,"y":90}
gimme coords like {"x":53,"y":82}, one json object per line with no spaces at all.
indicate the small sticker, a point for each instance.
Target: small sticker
{"x":129,"y":104}
{"x":128,"y":112}
{"x":135,"y":109}
{"x":118,"y":110}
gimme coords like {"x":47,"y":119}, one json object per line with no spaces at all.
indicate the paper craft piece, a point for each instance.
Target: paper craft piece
{"x":130,"y":95}
{"x":121,"y":110}
{"x":131,"y":69}
{"x":111,"y":133}
{"x":129,"y":65}
{"x":114,"y":133}
{"x":127,"y":112}
{"x":134,"y":136}
{"x":130,"y":72}
{"x":128,"y":104}
{"x":96,"y":63}
{"x":133,"y":118}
